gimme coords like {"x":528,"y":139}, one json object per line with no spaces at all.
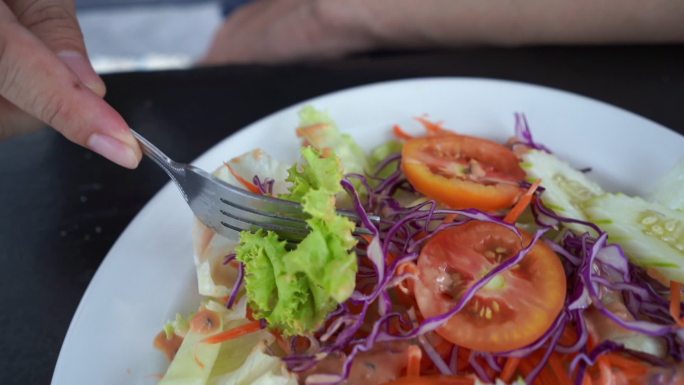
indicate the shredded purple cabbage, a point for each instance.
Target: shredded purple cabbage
{"x":594,"y":268}
{"x":453,"y":360}
{"x":265,"y":187}
{"x":523,"y":135}
{"x":229,"y":258}
{"x":236,"y":286}
{"x":435,"y":357}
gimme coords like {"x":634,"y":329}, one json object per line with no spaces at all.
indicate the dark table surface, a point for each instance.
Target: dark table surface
{"x":63,"y":207}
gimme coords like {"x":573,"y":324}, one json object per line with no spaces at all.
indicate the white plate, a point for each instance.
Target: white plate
{"x":148,"y":275}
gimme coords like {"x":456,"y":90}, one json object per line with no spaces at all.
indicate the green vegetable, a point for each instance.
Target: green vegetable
{"x":179,"y":326}
{"x":184,"y":368}
{"x":380,"y":153}
{"x":670,"y":189}
{"x":294,"y":290}
{"x":651,"y":234}
{"x":244,"y":361}
{"x":566,"y":189}
{"x":238,"y":361}
{"x":320,"y":131}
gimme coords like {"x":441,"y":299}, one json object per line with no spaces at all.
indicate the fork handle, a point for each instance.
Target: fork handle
{"x":154,"y":153}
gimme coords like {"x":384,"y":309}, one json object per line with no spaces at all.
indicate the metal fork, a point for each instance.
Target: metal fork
{"x":229,"y":209}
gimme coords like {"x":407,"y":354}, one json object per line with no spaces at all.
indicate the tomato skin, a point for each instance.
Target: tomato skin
{"x":426,"y":163}
{"x":205,"y":321}
{"x":513,"y":310}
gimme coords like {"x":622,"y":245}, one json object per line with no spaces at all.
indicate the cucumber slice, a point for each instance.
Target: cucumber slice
{"x":670,"y":189}
{"x":193,"y":362}
{"x":650,"y":233}
{"x":566,"y":188}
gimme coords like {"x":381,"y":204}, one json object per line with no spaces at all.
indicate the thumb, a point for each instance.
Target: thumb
{"x":54,"y":22}
{"x":35,"y":80}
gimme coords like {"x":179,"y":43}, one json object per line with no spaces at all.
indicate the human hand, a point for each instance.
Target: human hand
{"x":45,"y":75}
{"x":269,"y":31}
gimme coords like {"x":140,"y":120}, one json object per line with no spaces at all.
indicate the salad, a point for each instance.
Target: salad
{"x":484,"y":263}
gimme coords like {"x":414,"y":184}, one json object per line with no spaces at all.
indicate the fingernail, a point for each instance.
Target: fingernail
{"x":82,"y":68}
{"x":113,"y":149}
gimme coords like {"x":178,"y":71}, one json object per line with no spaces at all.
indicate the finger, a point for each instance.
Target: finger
{"x":35,"y":80}
{"x":54,"y":22}
{"x":14,"y":121}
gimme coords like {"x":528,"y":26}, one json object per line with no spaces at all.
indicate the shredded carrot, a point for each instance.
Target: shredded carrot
{"x":591,"y":341}
{"x":400,"y":133}
{"x":236,"y":332}
{"x":248,"y":185}
{"x":569,"y":336}
{"x":626,"y":365}
{"x":559,"y":370}
{"x":281,"y":341}
{"x":546,"y":377}
{"x":462,"y":359}
{"x":415,"y":354}
{"x":327,"y":152}
{"x":658,"y":276}
{"x":312,"y":134}
{"x":431,"y":127}
{"x":675,"y":302}
{"x":522,"y":204}
{"x":304,"y":131}
{"x":632,"y":369}
{"x":449,"y":218}
{"x":443,"y":348}
{"x":491,"y":373}
{"x":605,"y":373}
{"x":509,"y":369}
{"x":366,"y":237}
{"x":394,"y":326}
{"x":198,"y":361}
{"x":432,"y":380}
{"x":587,"y":379}
{"x":250,"y":313}
{"x":525,"y":367}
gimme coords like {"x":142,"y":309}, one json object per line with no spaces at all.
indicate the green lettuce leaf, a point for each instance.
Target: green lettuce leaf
{"x":294,"y":290}
{"x":319,"y":130}
{"x":380,"y":153}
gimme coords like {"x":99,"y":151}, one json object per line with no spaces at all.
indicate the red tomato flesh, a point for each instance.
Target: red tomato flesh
{"x":513,"y":310}
{"x":463,"y":171}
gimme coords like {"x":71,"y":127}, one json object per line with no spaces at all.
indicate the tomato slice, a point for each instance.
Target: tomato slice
{"x":432,"y":380}
{"x":513,"y":310}
{"x":463,"y":171}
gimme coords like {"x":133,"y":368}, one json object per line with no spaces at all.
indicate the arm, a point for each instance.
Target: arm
{"x":286,"y":30}
{"x":522,"y":22}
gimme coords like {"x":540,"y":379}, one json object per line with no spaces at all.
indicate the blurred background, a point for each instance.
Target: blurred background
{"x":123,"y":35}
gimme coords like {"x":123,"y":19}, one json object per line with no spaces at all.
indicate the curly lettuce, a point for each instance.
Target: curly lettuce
{"x":294,"y":290}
